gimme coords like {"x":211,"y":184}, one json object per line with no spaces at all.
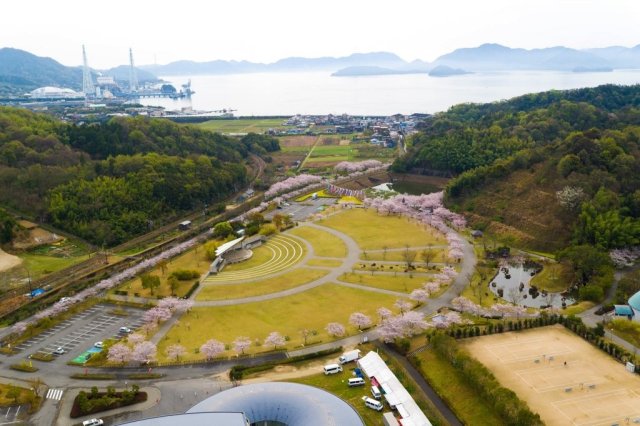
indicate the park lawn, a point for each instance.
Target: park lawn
{"x":324,"y":244}
{"x":453,"y":388}
{"x":41,"y":265}
{"x":291,"y":279}
{"x":312,"y":310}
{"x":23,"y":397}
{"x":329,"y":263}
{"x":372,"y":231}
{"x":337,"y":385}
{"x":554,"y":277}
{"x":402,"y":283}
{"x":398,"y":255}
{"x":625,"y":329}
{"x":245,"y":125}
{"x":577,"y":308}
{"x":194,"y":259}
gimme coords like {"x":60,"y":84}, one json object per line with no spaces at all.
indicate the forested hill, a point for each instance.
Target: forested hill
{"x":543,"y":170}
{"x":109,"y":182}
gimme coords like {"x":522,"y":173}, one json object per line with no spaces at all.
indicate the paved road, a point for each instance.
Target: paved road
{"x":440,"y":405}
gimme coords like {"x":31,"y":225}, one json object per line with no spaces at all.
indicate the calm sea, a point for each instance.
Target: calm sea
{"x":319,"y":93}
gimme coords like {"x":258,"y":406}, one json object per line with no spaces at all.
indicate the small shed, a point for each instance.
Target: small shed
{"x":623,"y":310}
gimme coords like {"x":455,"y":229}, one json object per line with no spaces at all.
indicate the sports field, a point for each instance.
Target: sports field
{"x":561,"y":377}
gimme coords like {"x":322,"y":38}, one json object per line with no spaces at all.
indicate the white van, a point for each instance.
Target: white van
{"x":372,"y":403}
{"x":356,"y":381}
{"x":376,"y":392}
{"x":332,"y":369}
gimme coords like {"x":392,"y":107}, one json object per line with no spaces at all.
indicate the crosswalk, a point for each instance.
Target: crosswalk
{"x":55,"y":394}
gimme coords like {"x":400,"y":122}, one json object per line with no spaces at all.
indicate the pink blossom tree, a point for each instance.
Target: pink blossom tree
{"x":383,"y":313}
{"x":420,"y":296}
{"x":274,"y":338}
{"x":119,"y":353}
{"x":175,"y":352}
{"x":211,"y":349}
{"x":144,"y":352}
{"x":19,"y":328}
{"x":402,"y":305}
{"x":335,"y":329}
{"x":156,"y":315}
{"x":136,"y":338}
{"x":360,"y":320}
{"x":241,"y":344}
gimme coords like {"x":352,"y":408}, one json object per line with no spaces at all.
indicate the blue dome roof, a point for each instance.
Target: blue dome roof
{"x":634,"y":301}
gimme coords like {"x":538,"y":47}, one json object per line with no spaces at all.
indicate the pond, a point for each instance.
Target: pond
{"x":512,"y":284}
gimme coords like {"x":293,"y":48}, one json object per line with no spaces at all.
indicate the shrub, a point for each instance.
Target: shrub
{"x":185,"y":274}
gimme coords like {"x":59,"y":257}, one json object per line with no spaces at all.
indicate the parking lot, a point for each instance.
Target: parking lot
{"x":82,"y":331}
{"x":299,"y":211}
{"x":10,"y":414}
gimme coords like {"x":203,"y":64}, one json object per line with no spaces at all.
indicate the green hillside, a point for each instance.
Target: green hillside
{"x":108,"y":182}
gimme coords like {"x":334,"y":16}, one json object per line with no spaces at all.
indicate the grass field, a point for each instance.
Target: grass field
{"x":23,"y":396}
{"x":191,"y":260}
{"x":561,"y":377}
{"x":398,"y":255}
{"x":453,"y":388}
{"x":245,"y":125}
{"x":260,"y":255}
{"x":291,"y":279}
{"x":324,"y":244}
{"x":628,"y":330}
{"x":40,"y":265}
{"x":312,"y":310}
{"x":554,"y":277}
{"x":402,"y":283}
{"x":337,"y":385}
{"x":389,"y":231}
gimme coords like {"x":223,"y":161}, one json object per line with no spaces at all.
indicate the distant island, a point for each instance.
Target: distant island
{"x":372,"y":70}
{"x":445,"y":71}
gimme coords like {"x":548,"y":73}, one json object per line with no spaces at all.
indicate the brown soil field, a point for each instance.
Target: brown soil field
{"x":297,"y":140}
{"x":8,"y":261}
{"x":561,"y":377}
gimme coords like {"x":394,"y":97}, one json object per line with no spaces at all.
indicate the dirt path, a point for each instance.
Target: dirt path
{"x":8,"y":261}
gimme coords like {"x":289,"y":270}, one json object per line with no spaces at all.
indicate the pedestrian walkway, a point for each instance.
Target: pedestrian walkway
{"x":55,"y":394}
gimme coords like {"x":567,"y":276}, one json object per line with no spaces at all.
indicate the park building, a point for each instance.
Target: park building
{"x":265,"y":404}
{"x":634,"y":303}
{"x":235,"y":251}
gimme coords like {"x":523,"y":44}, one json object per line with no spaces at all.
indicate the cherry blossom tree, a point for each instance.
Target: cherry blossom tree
{"x":349,"y":167}
{"x":119,"y":353}
{"x":383,"y":313}
{"x":136,"y":338}
{"x":211,"y":348}
{"x":156,"y":315}
{"x":175,"y":351}
{"x":148,"y":327}
{"x":419,"y":295}
{"x":402,"y":305}
{"x":360,"y":320}
{"x":274,"y":338}
{"x":335,"y":329}
{"x":290,"y":184}
{"x":19,"y":328}
{"x":431,"y":287}
{"x":241,"y":344}
{"x":144,"y":352}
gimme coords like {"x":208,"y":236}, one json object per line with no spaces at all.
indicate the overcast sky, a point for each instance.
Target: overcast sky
{"x":265,"y":31}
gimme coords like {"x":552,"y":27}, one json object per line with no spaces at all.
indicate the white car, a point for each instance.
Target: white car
{"x":125,"y":330}
{"x":59,"y":351}
{"x":98,"y":345}
{"x":93,"y":422}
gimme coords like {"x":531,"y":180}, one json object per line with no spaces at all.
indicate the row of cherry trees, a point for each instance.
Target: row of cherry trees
{"x":350,"y":167}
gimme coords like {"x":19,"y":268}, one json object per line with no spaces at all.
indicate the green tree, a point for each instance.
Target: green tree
{"x":150,"y":282}
{"x":222,"y":230}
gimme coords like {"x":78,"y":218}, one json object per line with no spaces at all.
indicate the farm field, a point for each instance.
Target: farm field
{"x":390,"y":231}
{"x":560,"y":376}
{"x":244,"y":125}
{"x":312,"y":310}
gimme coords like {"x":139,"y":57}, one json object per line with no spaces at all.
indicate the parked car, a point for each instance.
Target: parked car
{"x":125,"y":330}
{"x":59,"y":351}
{"x":98,"y":344}
{"x":93,"y":422}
